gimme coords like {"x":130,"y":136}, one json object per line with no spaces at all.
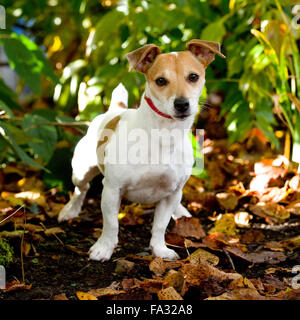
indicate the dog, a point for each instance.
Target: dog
{"x":174,"y":83}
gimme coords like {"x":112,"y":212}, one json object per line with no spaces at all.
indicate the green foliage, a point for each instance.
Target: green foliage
{"x":6,"y":253}
{"x":87,"y":42}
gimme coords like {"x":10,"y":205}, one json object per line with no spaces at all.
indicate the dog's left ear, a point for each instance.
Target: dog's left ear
{"x":141,"y":59}
{"x":204,"y":50}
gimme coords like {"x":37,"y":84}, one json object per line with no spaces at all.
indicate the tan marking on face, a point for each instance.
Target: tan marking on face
{"x":106,"y":134}
{"x":175,"y":69}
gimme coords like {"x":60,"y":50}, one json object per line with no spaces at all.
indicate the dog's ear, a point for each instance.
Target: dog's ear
{"x":141,"y":59}
{"x":204,"y":50}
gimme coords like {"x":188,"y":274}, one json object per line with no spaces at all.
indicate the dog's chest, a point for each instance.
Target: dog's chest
{"x":150,"y":184}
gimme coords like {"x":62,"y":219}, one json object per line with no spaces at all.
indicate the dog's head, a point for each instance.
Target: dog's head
{"x":175,"y":80}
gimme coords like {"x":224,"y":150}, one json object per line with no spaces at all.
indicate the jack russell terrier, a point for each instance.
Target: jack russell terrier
{"x":174,"y":83}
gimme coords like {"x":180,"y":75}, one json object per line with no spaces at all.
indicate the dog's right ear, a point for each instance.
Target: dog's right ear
{"x":141,"y":59}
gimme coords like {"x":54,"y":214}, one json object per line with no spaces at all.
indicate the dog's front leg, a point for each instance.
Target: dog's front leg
{"x":110,"y":204}
{"x":162,"y":215}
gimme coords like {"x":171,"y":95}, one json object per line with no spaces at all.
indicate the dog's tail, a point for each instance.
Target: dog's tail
{"x":119,"y":98}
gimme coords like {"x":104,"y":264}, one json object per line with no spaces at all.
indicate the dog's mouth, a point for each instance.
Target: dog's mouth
{"x":181,"y":117}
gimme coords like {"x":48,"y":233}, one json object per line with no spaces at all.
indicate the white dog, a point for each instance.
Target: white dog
{"x":174,"y":82}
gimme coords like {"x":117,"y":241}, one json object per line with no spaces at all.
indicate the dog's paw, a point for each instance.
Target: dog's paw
{"x":180,"y":212}
{"x":68,"y":212}
{"x":101,"y":251}
{"x":165,"y":253}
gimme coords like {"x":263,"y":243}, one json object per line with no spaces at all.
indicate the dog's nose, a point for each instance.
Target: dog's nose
{"x":181,"y":104}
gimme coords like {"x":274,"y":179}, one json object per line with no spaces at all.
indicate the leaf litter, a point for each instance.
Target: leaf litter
{"x":239,"y":244}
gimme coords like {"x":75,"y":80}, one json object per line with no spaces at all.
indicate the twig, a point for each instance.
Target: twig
{"x":280,"y":227}
{"x":229,"y":258}
{"x":12,"y":214}
{"x":55,"y":235}
{"x":22,"y":245}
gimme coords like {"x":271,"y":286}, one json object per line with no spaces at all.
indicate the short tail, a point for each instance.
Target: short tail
{"x":119,"y":98}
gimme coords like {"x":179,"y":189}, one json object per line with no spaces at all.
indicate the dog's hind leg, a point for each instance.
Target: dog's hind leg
{"x":84,"y":170}
{"x":180,"y":212}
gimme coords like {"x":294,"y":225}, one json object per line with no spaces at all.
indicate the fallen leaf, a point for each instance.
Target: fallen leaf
{"x":85,"y":296}
{"x":159,"y":266}
{"x":102,"y":292}
{"x":252,"y":236}
{"x":123,"y":266}
{"x":54,"y":230}
{"x":242,"y":219}
{"x":30,"y":227}
{"x":61,"y":296}
{"x":272,"y":212}
{"x":152,"y":285}
{"x":12,"y":234}
{"x":54,"y":209}
{"x":175,"y":239}
{"x":287,"y":244}
{"x":189,"y":227}
{"x":294,"y":183}
{"x":201,"y":254}
{"x":16,"y":285}
{"x":240,"y":294}
{"x":169,"y":294}
{"x":258,"y":257}
{"x":225,"y":224}
{"x":227,"y":201}
{"x":176,"y":280}
{"x":294,"y":207}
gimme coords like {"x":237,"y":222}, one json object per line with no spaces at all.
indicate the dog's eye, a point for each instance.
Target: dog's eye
{"x":193,"y":77}
{"x":161,"y":82}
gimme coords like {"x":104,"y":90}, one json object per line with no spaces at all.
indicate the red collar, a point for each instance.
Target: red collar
{"x":152,"y":106}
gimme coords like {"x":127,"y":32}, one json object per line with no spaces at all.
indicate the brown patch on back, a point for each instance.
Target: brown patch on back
{"x":121,"y":105}
{"x":175,"y":67}
{"x":105,"y":136}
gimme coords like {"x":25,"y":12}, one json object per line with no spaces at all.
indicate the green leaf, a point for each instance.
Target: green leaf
{"x":214,"y":32}
{"x":18,"y":151}
{"x":36,"y":126}
{"x":27,"y":59}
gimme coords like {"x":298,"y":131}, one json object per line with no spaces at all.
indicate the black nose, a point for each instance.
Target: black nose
{"x":181,"y":104}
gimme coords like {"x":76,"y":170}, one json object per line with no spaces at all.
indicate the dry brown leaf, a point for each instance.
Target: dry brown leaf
{"x":195,"y":274}
{"x":30,"y":227}
{"x":54,"y":230}
{"x":189,"y":227}
{"x":123,"y":266}
{"x":294,"y":207}
{"x":201,"y":254}
{"x":287,"y":244}
{"x":169,"y":294}
{"x":159,"y":266}
{"x":85,"y":296}
{"x":252,"y":236}
{"x":258,"y":257}
{"x":227,"y":201}
{"x":174,"y":239}
{"x":101,"y":292}
{"x":152,"y":285}
{"x":61,"y":296}
{"x":272,"y":212}
{"x":240,"y":294}
{"x":16,"y":285}
{"x":130,"y":283}
{"x":176,"y":280}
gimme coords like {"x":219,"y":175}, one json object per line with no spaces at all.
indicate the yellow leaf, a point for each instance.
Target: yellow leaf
{"x":225,"y":224}
{"x":85,"y":296}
